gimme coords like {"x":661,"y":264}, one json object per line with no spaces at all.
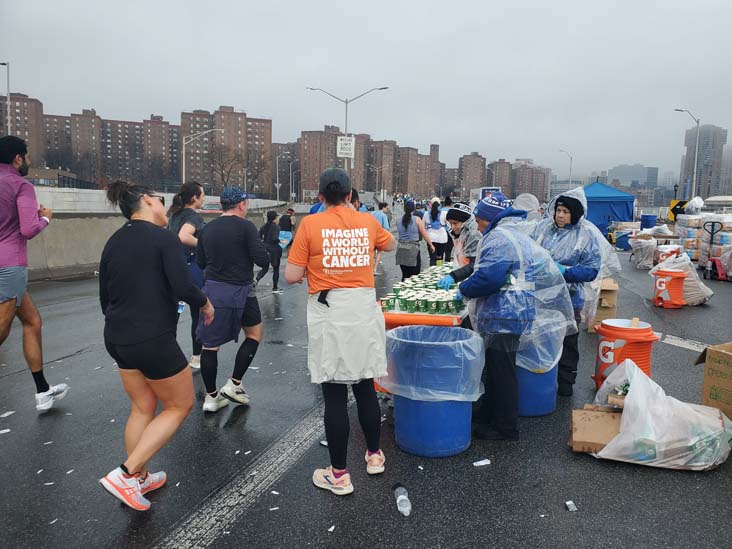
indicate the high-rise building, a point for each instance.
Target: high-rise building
{"x":499,"y":174}
{"x":359,"y":164}
{"x":726,"y":171}
{"x":436,"y":170}
{"x":382,"y":156}
{"x":160,"y":159}
{"x":259,"y":155}
{"x":317,"y":152}
{"x":527,"y":177}
{"x":424,"y":176}
{"x":451,"y":181}
{"x":57,"y":141}
{"x":471,"y":170}
{"x":634,"y":175}
{"x":86,"y":145}
{"x":709,"y":161}
{"x":122,"y":153}
{"x":197,"y":154}
{"x":406,"y":171}
{"x":651,"y":177}
{"x":26,"y":122}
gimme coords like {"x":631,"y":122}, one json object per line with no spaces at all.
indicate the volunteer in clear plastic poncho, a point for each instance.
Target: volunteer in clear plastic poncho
{"x":574,"y":246}
{"x":515,"y":293}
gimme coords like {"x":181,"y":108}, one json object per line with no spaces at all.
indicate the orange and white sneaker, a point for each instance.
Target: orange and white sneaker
{"x":375,"y":463}
{"x":325,"y":479}
{"x":126,"y":489}
{"x":152,"y":481}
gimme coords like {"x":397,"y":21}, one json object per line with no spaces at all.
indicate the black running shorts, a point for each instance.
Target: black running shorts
{"x":156,"y":358}
{"x":251,"y":315}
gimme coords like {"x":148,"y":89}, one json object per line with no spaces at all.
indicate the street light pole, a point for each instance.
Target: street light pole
{"x":291,"y":187}
{"x":191,"y":139}
{"x":277,"y":160}
{"x":346,"y":102}
{"x":696,"y":152}
{"x":570,"y":165}
{"x":7,"y":100}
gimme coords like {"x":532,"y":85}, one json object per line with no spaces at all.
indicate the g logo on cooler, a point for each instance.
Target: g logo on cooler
{"x":606,"y":351}
{"x":661,"y":284}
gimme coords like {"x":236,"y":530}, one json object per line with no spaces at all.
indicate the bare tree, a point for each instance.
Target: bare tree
{"x":228,"y":166}
{"x":256,"y":168}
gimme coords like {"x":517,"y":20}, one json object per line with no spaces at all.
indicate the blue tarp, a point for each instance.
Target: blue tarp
{"x":606,"y":204}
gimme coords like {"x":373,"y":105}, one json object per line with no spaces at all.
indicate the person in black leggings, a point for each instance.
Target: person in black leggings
{"x":187,"y":223}
{"x":337,"y":424}
{"x":270,"y":235}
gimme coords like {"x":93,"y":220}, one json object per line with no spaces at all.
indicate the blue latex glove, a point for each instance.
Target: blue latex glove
{"x":458,"y":295}
{"x":561,"y":267}
{"x":445,"y":282}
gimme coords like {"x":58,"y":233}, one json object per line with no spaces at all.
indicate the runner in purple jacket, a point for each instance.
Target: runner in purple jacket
{"x":20,"y":220}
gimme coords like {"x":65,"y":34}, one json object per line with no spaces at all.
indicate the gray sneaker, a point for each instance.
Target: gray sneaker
{"x":44,"y":401}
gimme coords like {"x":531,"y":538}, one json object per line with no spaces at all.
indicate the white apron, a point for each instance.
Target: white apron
{"x":346,"y":338}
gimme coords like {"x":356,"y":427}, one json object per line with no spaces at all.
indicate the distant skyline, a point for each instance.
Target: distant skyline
{"x":508,"y":81}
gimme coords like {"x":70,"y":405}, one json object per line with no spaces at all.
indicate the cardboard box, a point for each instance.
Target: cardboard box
{"x":593,"y":430}
{"x":603,"y":313}
{"x":616,"y":400}
{"x":717,"y":386}
{"x":608,"y":293}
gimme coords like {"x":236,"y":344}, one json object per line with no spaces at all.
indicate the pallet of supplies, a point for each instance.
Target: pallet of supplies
{"x":651,"y":428}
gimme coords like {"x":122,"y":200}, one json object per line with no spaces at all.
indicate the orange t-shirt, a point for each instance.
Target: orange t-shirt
{"x":336,"y":247}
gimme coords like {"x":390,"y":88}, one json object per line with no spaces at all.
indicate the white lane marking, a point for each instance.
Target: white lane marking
{"x":224,"y":508}
{"x":689,"y":344}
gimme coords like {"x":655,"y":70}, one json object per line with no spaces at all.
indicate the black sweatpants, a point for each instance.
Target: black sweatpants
{"x":499,"y":405}
{"x":448,"y":248}
{"x":439,"y":252}
{"x":337,"y":425}
{"x":275,"y":256}
{"x":569,"y":360}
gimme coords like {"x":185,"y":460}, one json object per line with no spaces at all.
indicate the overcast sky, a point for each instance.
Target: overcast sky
{"x":509,"y":79}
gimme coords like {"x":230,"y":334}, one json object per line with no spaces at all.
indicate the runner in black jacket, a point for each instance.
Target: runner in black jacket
{"x":270,"y":235}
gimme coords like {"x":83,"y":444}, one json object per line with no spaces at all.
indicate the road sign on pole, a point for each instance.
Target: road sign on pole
{"x":346,"y":146}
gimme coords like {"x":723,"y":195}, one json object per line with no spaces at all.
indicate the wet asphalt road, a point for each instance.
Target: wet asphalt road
{"x":518,"y":500}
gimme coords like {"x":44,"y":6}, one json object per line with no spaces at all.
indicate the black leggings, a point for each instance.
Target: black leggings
{"x":197,"y":345}
{"x":448,"y":248}
{"x":275,"y":256}
{"x":439,"y":252}
{"x":337,"y":425}
{"x":411,"y":271}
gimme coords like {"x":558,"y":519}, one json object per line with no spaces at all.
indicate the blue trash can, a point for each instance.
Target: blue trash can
{"x":648,"y":221}
{"x":434,"y":374}
{"x":537,"y":392}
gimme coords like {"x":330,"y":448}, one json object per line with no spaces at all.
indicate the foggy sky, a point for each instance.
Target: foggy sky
{"x":507,"y":79}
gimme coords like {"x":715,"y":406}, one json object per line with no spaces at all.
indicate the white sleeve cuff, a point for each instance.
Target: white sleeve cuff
{"x":48,"y":221}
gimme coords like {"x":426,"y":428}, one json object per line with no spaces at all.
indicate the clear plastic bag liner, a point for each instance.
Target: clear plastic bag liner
{"x":695,"y":291}
{"x":660,"y":431}
{"x":434,"y":363}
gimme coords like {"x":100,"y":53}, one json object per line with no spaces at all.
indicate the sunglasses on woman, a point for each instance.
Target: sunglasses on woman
{"x":161,"y":198}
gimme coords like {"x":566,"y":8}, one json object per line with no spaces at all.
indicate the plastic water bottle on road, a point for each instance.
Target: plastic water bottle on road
{"x":402,"y":499}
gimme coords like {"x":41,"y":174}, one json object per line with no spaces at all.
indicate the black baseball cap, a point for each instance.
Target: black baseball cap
{"x":335,"y":175}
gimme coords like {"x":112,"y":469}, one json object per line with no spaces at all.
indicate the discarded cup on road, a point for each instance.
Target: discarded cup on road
{"x":402,"y":499}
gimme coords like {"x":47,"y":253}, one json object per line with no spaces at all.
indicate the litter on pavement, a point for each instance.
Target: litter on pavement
{"x":570,"y":506}
{"x":481,"y":463}
{"x":7,"y":414}
{"x":331,"y":528}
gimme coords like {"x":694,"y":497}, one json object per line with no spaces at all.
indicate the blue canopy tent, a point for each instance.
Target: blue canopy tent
{"x":606,"y":204}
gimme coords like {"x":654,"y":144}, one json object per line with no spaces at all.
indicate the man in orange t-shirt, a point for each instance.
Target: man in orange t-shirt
{"x":346,"y":338}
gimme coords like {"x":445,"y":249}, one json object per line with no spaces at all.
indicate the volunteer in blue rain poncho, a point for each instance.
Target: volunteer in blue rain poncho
{"x":514,"y":284}
{"x":569,"y":238}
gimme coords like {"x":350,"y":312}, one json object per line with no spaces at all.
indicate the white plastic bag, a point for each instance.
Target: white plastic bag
{"x":695,"y":291}
{"x":661,"y":431}
{"x":643,"y":252}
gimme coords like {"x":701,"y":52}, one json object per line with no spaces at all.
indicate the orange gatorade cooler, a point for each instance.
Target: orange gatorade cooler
{"x":669,"y":287}
{"x":620,"y":339}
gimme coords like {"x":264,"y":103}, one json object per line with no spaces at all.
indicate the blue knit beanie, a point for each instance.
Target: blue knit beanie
{"x":491,"y":206}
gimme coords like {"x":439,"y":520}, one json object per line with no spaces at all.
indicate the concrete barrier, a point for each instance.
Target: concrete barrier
{"x":72,"y":244}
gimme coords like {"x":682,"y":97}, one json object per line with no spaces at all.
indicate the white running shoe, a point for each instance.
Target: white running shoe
{"x":196,"y":362}
{"x":214,"y":404}
{"x":44,"y":401}
{"x":152,"y":481}
{"x":235,"y":393}
{"x":126,"y":489}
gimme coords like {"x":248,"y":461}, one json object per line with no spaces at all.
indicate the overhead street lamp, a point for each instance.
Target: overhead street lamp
{"x":346,"y":102}
{"x":6,"y":64}
{"x":189,"y":139}
{"x":292,"y":192}
{"x":570,"y":165}
{"x":696,"y":152}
